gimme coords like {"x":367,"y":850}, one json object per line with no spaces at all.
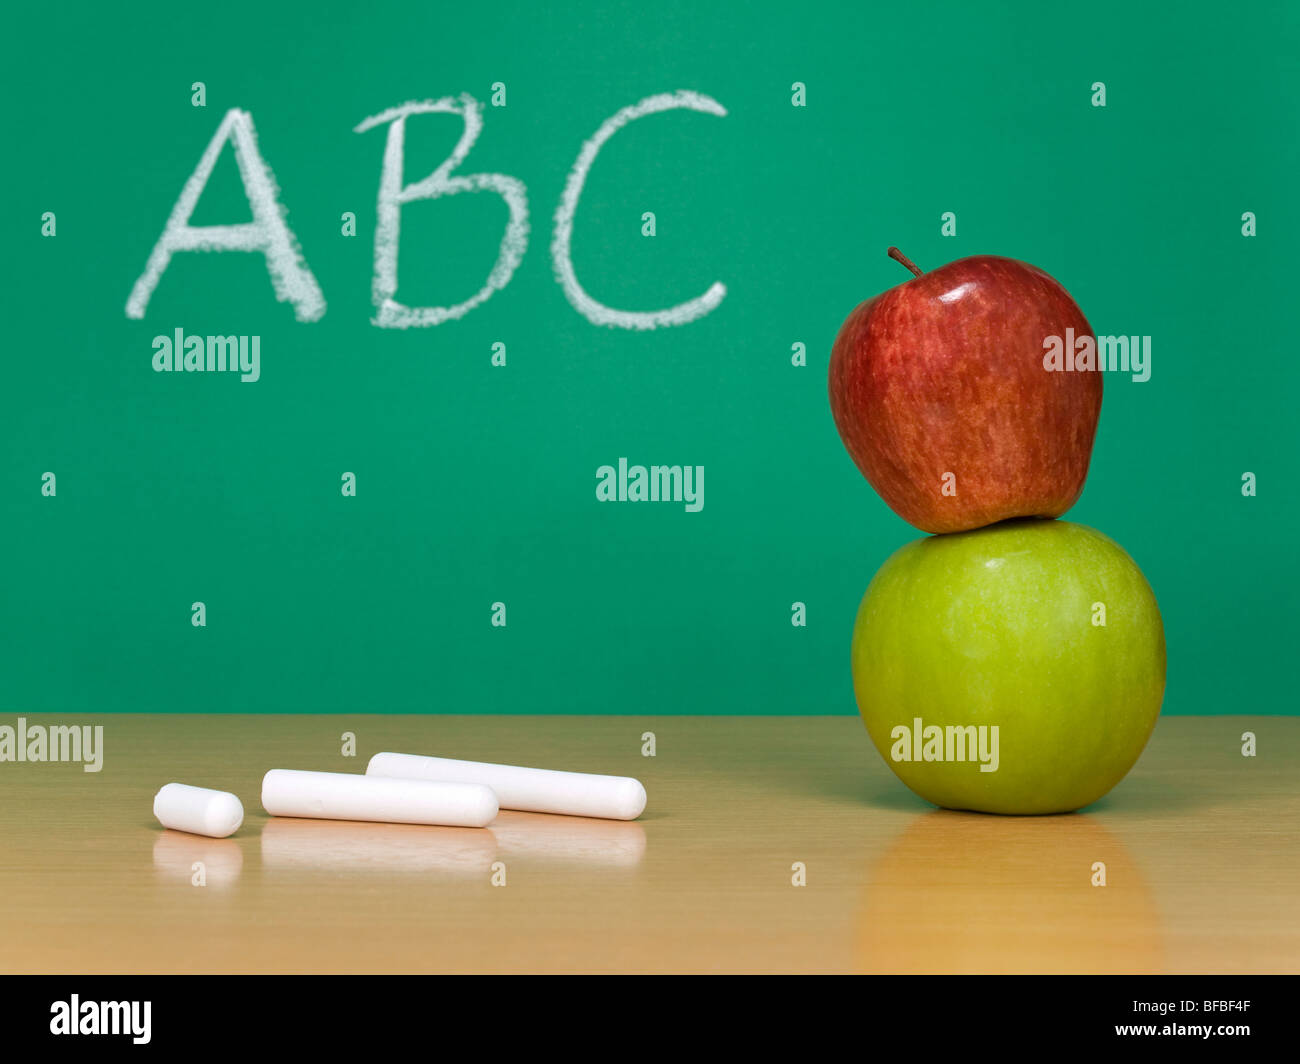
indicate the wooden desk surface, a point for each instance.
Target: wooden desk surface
{"x":1201,"y":847}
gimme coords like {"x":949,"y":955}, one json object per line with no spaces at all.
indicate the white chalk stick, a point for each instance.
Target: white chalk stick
{"x":351,"y":796}
{"x":198,"y":810}
{"x":537,"y":790}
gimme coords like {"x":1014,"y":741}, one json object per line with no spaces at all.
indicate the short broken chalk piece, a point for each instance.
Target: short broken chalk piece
{"x":535,"y":790}
{"x":198,"y":810}
{"x":351,"y":796}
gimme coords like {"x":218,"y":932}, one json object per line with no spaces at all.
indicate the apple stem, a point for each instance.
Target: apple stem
{"x":898,"y":256}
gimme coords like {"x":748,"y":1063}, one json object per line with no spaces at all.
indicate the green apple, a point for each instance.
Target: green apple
{"x":1018,"y":668}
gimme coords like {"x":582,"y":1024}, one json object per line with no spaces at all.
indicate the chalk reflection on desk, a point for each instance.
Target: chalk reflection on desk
{"x":353,"y":846}
{"x":574,"y":840}
{"x":175,"y":854}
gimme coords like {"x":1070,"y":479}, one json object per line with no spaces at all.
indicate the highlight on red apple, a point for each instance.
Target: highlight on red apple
{"x":939,"y":392}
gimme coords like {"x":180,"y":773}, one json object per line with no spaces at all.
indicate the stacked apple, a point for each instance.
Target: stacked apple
{"x":1013,"y":663}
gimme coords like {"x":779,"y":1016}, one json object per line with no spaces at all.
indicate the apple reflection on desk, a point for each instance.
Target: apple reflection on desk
{"x":970,"y":893}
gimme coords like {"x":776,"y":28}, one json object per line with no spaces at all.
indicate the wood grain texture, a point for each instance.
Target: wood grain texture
{"x":1201,"y":847}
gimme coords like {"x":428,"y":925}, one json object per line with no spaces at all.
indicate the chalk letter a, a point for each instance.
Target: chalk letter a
{"x":267,"y":232}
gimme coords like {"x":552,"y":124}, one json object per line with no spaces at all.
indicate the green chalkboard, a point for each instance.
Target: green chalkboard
{"x":752,"y":162}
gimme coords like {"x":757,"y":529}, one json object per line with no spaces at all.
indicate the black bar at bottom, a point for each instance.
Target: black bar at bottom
{"x":657,"y":1014}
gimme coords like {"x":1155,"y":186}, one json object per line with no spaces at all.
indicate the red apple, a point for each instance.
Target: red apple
{"x":939,"y":391}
